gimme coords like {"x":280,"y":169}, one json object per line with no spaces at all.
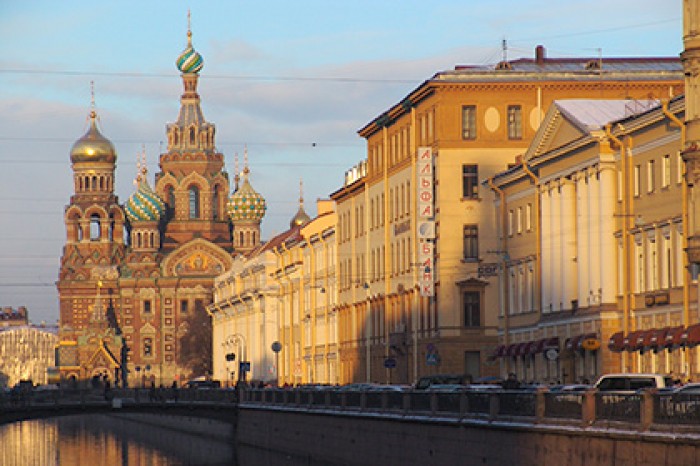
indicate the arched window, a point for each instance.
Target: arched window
{"x":192,"y":138}
{"x":215,"y":203}
{"x":194,"y":202}
{"x":176,"y":139}
{"x":94,"y":227}
{"x":170,"y":195}
{"x":111,"y":227}
{"x":240,"y":239}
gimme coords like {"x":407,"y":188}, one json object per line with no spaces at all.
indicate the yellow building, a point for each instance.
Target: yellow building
{"x":591,"y":220}
{"x":412,"y":305}
{"x":275,"y":308}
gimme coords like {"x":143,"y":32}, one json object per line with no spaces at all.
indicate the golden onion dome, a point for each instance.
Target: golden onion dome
{"x":301,"y":218}
{"x":93,"y":146}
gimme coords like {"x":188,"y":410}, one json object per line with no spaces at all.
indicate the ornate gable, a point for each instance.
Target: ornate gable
{"x":197,"y":258}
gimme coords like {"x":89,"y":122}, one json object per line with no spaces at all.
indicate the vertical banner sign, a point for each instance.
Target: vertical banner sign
{"x":426,"y":212}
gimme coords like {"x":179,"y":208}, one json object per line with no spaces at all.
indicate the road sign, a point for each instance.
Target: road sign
{"x":432,"y":359}
{"x":244,"y":366}
{"x":389,"y":363}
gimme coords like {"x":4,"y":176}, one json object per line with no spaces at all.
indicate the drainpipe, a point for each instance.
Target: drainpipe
{"x":684,"y":220}
{"x":626,"y":214}
{"x":504,"y":245}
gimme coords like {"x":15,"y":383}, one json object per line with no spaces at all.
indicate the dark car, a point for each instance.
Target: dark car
{"x":441,"y":379}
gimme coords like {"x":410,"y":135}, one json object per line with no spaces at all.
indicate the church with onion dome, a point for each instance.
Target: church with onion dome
{"x":136,"y":277}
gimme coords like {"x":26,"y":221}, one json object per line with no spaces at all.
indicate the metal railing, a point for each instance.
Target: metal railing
{"x":641,"y":410}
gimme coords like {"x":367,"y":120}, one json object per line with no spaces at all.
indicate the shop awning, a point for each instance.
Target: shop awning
{"x":674,"y":337}
{"x":691,"y":336}
{"x":510,"y":350}
{"x":630,"y":341}
{"x":658,"y":338}
{"x":644,"y":339}
{"x":544,"y":344}
{"x":520,"y":349}
{"x":616,"y":342}
{"x":499,"y":352}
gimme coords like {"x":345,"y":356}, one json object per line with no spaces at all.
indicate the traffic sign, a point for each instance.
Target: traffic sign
{"x":390,"y":363}
{"x":244,"y":366}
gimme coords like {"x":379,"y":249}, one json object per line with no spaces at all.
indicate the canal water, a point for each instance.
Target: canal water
{"x":106,"y":440}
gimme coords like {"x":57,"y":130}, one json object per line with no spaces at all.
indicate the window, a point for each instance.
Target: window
{"x":519,"y":220}
{"x":147,"y":306}
{"x":148,"y":347}
{"x":470,"y":181}
{"x":528,"y":217}
{"x":666,"y":171}
{"x":472,"y":308}
{"x":194,"y":202}
{"x":515,"y":122}
{"x":94,"y":227}
{"x":510,"y":223}
{"x":651,"y":179}
{"x":183,"y":307}
{"x":469,"y":122}
{"x":471,"y":242}
{"x":637,"y":179}
{"x":171,"y":202}
{"x":215,"y":203}
{"x":679,"y":171}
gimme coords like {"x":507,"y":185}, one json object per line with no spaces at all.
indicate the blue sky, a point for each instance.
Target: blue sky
{"x":293,"y":81}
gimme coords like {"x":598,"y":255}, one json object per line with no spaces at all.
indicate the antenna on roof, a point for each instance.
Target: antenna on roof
{"x":504,"y":48}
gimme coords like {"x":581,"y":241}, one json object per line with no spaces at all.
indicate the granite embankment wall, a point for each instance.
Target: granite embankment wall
{"x":366,"y":440}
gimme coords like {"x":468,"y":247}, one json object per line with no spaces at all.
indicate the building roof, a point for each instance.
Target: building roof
{"x":535,"y":71}
{"x":591,"y":114}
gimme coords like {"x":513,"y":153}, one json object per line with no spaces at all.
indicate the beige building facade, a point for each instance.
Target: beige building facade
{"x":275,"y":309}
{"x":592,"y":221}
{"x":474,"y":121}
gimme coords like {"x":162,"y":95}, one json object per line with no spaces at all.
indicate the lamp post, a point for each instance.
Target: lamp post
{"x":239,"y":342}
{"x":276,"y":348}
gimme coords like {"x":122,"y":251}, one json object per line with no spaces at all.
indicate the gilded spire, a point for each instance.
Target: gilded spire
{"x":236,"y":172}
{"x":301,"y":216}
{"x":189,"y":61}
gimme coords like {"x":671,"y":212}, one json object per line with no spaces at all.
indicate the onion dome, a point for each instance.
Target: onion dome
{"x":144,"y":205}
{"x":301,"y":216}
{"x":246,"y":204}
{"x":189,"y":61}
{"x":93,"y":147}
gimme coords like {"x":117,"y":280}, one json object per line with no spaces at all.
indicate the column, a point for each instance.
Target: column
{"x":568,"y":274}
{"x":546,"y":244}
{"x":582,"y":238}
{"x":556,"y":247}
{"x":597,"y":262}
{"x":608,"y":243}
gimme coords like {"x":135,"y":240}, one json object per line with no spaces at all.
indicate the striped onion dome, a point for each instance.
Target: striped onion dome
{"x":144,"y":205}
{"x":246,"y":204}
{"x":189,"y":61}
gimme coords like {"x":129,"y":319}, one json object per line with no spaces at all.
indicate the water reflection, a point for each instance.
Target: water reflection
{"x":107,"y":440}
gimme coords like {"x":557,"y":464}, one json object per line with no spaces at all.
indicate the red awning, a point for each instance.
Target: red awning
{"x":574,"y":343}
{"x":520,"y":349}
{"x":510,"y":350}
{"x":644,"y":339}
{"x":616,"y":342}
{"x":552,"y":342}
{"x":658,"y":338}
{"x":691,"y":336}
{"x":674,"y":337}
{"x":500,"y":351}
{"x":538,"y":346}
{"x":630,"y":341}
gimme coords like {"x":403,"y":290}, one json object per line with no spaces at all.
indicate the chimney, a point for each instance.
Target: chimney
{"x":540,"y":55}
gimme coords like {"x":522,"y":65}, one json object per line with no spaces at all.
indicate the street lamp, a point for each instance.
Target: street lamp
{"x":239,"y":341}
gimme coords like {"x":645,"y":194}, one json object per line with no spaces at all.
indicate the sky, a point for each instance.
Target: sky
{"x":292,"y":81}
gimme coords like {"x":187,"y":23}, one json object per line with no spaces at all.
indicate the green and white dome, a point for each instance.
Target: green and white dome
{"x":246,"y":204}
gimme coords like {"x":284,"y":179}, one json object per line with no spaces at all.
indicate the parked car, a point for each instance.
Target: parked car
{"x":629,"y":383}
{"x":441,"y":379}
{"x":203,"y":384}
